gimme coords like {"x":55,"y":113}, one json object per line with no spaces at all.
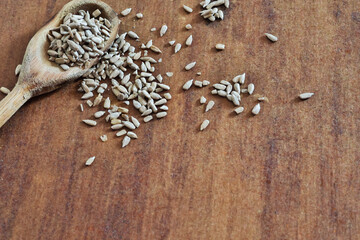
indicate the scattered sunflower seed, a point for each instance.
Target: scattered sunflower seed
{"x":220,"y":46}
{"x":188,"y":84}
{"x":206,"y":83}
{"x":239,"y":110}
{"x":256,"y":109}
{"x":251,"y":88}
{"x":169,"y":74}
{"x":126,"y":141}
{"x":81,"y":107}
{"x":167,"y":96}
{"x":139,"y":15}
{"x":189,"y":40}
{"x":190,"y":66}
{"x":4,"y":90}
{"x":204,"y":125}
{"x":90,"y":122}
{"x":177,"y":47}
{"x":153,"y":29}
{"x":132,"y":135}
{"x":202,"y":100}
{"x":126,"y":12}
{"x":305,"y":96}
{"x":90,"y":161}
{"x":133,"y":35}
{"x":148,"y":118}
{"x":187,"y":9}
{"x":188,"y":26}
{"x":163,"y":30}
{"x":172,"y":42}
{"x":99,"y":114}
{"x":121,"y":133}
{"x":271,"y":37}
{"x":161,"y":114}
{"x":103,"y":138}
{"x":209,"y":106}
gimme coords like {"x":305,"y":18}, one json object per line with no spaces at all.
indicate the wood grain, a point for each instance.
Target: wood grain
{"x":292,"y":172}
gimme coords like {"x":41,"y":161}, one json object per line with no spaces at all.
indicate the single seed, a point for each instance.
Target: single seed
{"x":163,"y":30}
{"x":107,"y":103}
{"x":90,"y":161}
{"x":305,"y":96}
{"x":256,"y":109}
{"x":198,"y":73}
{"x":169,"y":74}
{"x":239,"y":110}
{"x":206,"y":83}
{"x":271,"y":37}
{"x":139,"y":15}
{"x":4,"y":90}
{"x":89,"y":103}
{"x":177,"y":47}
{"x":148,"y":118}
{"x":81,"y":107}
{"x":135,"y":122}
{"x":251,"y":88}
{"x":242,"y":78}
{"x":103,"y":138}
{"x":155,"y":49}
{"x":219,"y":86}
{"x":87,"y":95}
{"x":121,"y":133}
{"x":189,"y":40}
{"x":202,"y":100}
{"x":126,"y":12}
{"x":132,"y":135}
{"x":188,"y":84}
{"x":99,"y":114}
{"x":214,"y":92}
{"x":220,"y":46}
{"x":161,"y":114}
{"x":17,"y":69}
{"x":167,"y":96}
{"x":90,"y":122}
{"x":133,"y":35}
{"x":187,"y":9}
{"x":96,"y":13}
{"x":153,"y":29}
{"x":172,"y":42}
{"x":98,"y":99}
{"x":126,"y":141}
{"x":204,"y":125}
{"x":188,"y":26}
{"x":209,"y":106}
{"x":198,"y":83}
{"x":190,"y":66}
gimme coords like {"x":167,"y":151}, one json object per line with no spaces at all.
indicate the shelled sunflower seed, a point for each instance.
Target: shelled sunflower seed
{"x":211,"y":10}
{"x":79,"y":39}
{"x":204,"y":125}
{"x":305,"y":96}
{"x":139,"y":15}
{"x":209,"y":106}
{"x":189,"y":40}
{"x":177,"y":47}
{"x":190,"y":66}
{"x":188,"y":85}
{"x":126,"y":12}
{"x":220,"y":46}
{"x":187,"y":9}
{"x":163,"y":30}
{"x":188,"y":26}
{"x":104,"y":138}
{"x":256,"y":109}
{"x":271,"y":37}
{"x":90,"y":161}
{"x":202,"y":100}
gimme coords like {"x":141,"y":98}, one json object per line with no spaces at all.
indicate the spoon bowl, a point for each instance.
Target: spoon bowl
{"x":38,"y":75}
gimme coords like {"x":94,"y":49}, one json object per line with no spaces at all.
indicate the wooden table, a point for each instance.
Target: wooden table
{"x":292,"y":172}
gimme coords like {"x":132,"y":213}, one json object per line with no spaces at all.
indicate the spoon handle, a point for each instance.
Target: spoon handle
{"x":12,"y":102}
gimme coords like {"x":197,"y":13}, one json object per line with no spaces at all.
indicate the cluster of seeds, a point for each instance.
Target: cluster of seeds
{"x":78,"y":39}
{"x":211,"y":10}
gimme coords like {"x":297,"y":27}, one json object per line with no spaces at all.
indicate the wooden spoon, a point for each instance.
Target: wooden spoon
{"x":38,"y":75}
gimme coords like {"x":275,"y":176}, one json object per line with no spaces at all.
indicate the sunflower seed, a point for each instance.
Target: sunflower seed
{"x":161,"y":102}
{"x":219,"y":86}
{"x":155,"y":49}
{"x":90,"y":122}
{"x":242,"y":78}
{"x":117,"y":126}
{"x":167,"y":96}
{"x":133,"y":35}
{"x":220,"y":46}
{"x":139,"y":15}
{"x":188,"y":84}
{"x":107,"y":103}
{"x":251,"y":88}
{"x":135,"y":122}
{"x":103,"y":138}
{"x":206,"y":83}
{"x":239,"y":110}
{"x":81,"y":107}
{"x":163,"y":30}
{"x":177,"y":47}
{"x":4,"y":90}
{"x":148,"y":118}
{"x":98,"y":99}
{"x":172,"y":42}
{"x":169,"y":74}
{"x":89,"y":103}
{"x":209,"y":106}
{"x":187,"y":9}
{"x":161,"y":114}
{"x":126,"y":12}
{"x":188,"y":26}
{"x":153,"y":29}
{"x":305,"y":96}
{"x":132,"y":135}
{"x":202,"y":100}
{"x":99,"y":114}
{"x":17,"y":69}
{"x":121,"y":133}
{"x":271,"y":37}
{"x":190,"y":66}
{"x":204,"y":125}
{"x":198,"y":83}
{"x":214,"y":92}
{"x":96,"y":13}
{"x":64,"y":67}
{"x":90,"y":161}
{"x":189,"y":40}
{"x":256,"y":109}
{"x":126,"y":141}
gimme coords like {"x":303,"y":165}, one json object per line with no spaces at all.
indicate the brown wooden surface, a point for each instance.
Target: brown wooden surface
{"x":291,"y":172}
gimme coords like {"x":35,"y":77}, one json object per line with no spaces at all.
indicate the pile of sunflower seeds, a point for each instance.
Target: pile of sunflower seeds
{"x":133,"y":80}
{"x":211,"y":11}
{"x":78,"y":39}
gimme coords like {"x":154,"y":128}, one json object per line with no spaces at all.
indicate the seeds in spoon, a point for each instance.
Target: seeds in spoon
{"x":305,"y":96}
{"x":90,"y":161}
{"x":204,"y":125}
{"x":271,"y":37}
{"x":4,"y":90}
